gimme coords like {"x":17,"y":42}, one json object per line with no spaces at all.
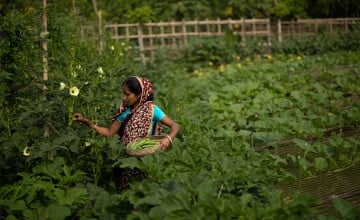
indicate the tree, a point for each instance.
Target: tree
{"x":333,"y":8}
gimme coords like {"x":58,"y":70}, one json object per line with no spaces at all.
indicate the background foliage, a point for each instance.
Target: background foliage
{"x":165,"y":10}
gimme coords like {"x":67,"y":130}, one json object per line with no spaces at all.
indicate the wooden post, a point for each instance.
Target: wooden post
{"x":74,"y":7}
{"x":253,"y":25}
{"x":331,"y":25}
{"x":243,"y":32}
{"x":162,"y":33}
{"x":151,"y":42}
{"x":141,"y":43}
{"x":219,"y":26}
{"x":197,"y":27}
{"x":44,"y":44}
{"x":44,"y":47}
{"x":268,"y":32}
{"x":127,"y":31}
{"x":82,"y":32}
{"x":346,"y":25}
{"x":279,"y":30}
{"x":173,"y":38}
{"x":116,"y":32}
{"x":184,"y":32}
{"x":101,"y":41}
{"x":207,"y":27}
{"x":229,"y":24}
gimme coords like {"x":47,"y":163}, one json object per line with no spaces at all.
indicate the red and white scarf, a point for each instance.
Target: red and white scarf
{"x":139,"y":124}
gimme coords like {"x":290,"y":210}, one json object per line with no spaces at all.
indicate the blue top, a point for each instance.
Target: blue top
{"x":158,"y":116}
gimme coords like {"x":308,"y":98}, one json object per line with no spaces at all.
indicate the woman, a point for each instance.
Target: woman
{"x":137,"y":117}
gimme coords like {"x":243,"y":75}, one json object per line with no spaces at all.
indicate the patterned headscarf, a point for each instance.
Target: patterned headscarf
{"x":139,"y":124}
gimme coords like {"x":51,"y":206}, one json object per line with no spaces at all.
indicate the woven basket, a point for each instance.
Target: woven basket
{"x":146,"y":151}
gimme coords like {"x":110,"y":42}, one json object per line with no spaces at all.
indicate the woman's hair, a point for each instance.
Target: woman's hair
{"x":133,"y":84}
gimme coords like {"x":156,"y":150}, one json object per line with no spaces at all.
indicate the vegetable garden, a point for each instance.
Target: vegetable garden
{"x":254,"y":131}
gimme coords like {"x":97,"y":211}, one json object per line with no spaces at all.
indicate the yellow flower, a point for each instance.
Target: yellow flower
{"x":238,"y":57}
{"x":238,"y":65}
{"x":269,"y":56}
{"x":74,"y":91}
{"x":73,"y":73}
{"x":299,"y":57}
{"x":26,"y":151}
{"x":62,"y":86}
{"x":222,"y":68}
{"x":100,"y":70}
{"x":197,"y":73}
{"x":112,"y":48}
{"x":210,"y":63}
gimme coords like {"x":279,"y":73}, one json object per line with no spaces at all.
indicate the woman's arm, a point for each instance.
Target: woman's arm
{"x":107,"y":132}
{"x":174,"y":130}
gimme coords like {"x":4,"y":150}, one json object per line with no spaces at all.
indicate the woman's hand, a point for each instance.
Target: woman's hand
{"x":164,"y":143}
{"x":80,"y":118}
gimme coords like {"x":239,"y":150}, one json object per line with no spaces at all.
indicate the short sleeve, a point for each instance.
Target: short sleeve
{"x":121,"y":117}
{"x":158,"y":114}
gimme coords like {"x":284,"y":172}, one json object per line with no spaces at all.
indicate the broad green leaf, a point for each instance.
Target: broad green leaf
{"x":11,"y":217}
{"x":57,"y":212}
{"x":151,"y":200}
{"x":345,"y":209}
{"x":67,"y":171}
{"x":71,"y":196}
{"x":320,"y":163}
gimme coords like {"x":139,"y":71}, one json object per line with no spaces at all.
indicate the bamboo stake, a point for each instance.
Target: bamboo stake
{"x":141,"y":43}
{"x":44,"y":47}
{"x":184,"y":32}
{"x":279,"y":30}
{"x":101,"y":42}
{"x":74,"y":7}
{"x":243,"y":32}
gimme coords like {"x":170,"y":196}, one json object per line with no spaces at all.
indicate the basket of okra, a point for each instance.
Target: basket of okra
{"x":143,"y":146}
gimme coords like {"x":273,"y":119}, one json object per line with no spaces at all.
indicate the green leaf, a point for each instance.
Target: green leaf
{"x":156,"y":212}
{"x":304,"y":146}
{"x":11,"y":217}
{"x":57,"y":212}
{"x":67,"y":171}
{"x":345,"y":209}
{"x":320,"y":163}
{"x":304,"y":164}
{"x":72,"y":196}
{"x":51,"y":169}
{"x":17,"y":205}
{"x":127,"y":162}
{"x":152,"y":200}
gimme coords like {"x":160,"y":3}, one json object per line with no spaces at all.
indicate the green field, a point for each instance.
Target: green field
{"x":266,"y":137}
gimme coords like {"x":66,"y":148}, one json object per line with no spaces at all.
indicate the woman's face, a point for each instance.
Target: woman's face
{"x":129,"y":98}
